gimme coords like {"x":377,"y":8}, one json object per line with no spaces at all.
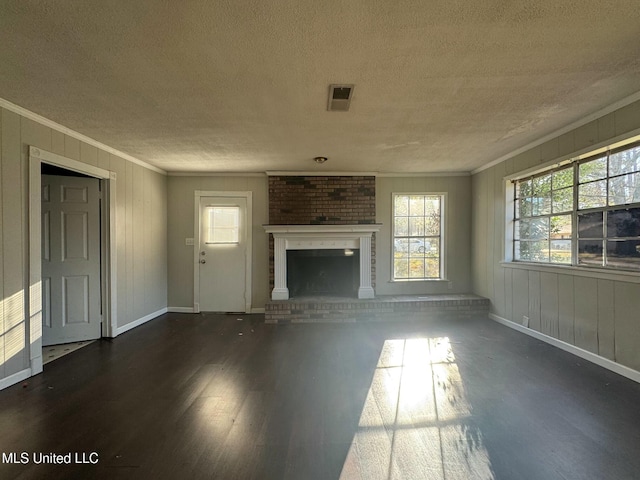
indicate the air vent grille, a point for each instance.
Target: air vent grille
{"x":340,"y":97}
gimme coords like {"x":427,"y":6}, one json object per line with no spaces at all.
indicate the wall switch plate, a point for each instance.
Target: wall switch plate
{"x":188,"y":241}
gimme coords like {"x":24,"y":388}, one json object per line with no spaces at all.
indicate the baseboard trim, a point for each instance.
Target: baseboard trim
{"x":180,"y":309}
{"x":627,"y":372}
{"x":192,"y":310}
{"x":15,"y":378}
{"x":140,"y":321}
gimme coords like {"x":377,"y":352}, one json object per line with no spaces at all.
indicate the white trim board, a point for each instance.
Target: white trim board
{"x":317,"y":173}
{"x":140,"y":321}
{"x":180,"y":309}
{"x":215,"y":174}
{"x":190,"y":310}
{"x":627,"y":372}
{"x":108,"y":252}
{"x":16,"y":378}
{"x":423,"y":174}
{"x":561,"y":131}
{"x":72,"y":133}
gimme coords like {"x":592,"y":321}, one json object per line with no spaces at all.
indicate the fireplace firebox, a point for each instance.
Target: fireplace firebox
{"x":333,"y":272}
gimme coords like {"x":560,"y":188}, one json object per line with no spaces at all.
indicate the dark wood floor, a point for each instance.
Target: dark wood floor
{"x":211,"y":396}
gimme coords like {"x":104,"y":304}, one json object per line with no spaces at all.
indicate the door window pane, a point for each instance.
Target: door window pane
{"x":223,"y":224}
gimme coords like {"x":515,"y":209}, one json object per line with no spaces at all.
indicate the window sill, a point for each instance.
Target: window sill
{"x":618,"y":276}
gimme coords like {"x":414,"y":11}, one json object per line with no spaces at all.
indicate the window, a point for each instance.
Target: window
{"x":223,"y":224}
{"x":586,"y":213}
{"x":417,"y":237}
{"x":543,"y":211}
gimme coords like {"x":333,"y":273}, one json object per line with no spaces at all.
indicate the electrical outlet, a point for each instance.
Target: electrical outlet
{"x":525,"y":321}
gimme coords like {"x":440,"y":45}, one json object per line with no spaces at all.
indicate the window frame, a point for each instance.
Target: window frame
{"x":607,"y":265}
{"x":442,"y":196}
{"x":533,"y":217}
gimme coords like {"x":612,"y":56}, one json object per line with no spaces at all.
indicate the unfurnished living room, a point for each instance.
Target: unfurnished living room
{"x":320,"y":240}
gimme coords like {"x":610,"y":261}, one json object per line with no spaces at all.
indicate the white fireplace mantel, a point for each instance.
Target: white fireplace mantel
{"x":323,"y":237}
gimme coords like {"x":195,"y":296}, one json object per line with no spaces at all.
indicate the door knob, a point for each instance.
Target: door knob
{"x":203,"y":260}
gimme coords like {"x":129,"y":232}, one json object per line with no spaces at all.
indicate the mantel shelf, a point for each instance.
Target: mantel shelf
{"x":323,"y":229}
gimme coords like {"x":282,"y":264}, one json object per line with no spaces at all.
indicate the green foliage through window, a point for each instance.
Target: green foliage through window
{"x":586,"y":213}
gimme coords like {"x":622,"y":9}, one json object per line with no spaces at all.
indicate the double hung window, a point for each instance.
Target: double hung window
{"x":586,"y":213}
{"x":417,"y":236}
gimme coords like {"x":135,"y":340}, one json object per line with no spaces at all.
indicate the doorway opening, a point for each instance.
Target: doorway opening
{"x":71,"y":260}
{"x":72,"y":265}
{"x":222,"y":251}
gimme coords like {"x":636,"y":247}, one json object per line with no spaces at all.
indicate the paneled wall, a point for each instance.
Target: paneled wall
{"x":181,"y":217}
{"x":141,"y":231}
{"x":598,"y":313}
{"x":457,"y":233}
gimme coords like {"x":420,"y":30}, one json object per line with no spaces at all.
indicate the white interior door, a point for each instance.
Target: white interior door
{"x":70,"y":259}
{"x":222,"y":254}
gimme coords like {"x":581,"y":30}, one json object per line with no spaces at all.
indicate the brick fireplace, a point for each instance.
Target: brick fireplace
{"x":321,"y":213}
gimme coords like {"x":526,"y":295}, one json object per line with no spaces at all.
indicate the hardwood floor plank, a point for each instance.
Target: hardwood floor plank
{"x":186,"y":396}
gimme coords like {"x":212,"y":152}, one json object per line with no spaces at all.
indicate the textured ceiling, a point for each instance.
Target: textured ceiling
{"x":241,"y":85}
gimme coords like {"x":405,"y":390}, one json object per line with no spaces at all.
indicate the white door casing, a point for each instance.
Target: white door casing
{"x":70,"y":259}
{"x":108,"y":234}
{"x":222,"y":255}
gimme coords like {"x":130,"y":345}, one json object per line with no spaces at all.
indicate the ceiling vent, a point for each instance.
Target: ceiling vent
{"x":340,"y":97}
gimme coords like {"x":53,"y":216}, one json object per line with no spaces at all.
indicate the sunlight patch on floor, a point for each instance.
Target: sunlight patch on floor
{"x":416,"y":422}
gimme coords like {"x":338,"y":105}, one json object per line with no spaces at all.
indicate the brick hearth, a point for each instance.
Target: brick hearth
{"x":397,"y":307}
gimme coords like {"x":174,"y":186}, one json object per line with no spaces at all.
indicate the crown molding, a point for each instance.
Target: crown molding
{"x":315,"y":173}
{"x":72,"y":133}
{"x":566,"y":129}
{"x":216,"y":174}
{"x":424,"y":174}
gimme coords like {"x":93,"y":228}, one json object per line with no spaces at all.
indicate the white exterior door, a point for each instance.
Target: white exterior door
{"x":222,"y":253}
{"x":70,"y":259}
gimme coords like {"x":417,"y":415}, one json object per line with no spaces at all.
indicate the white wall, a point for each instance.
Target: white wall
{"x":457,"y":233}
{"x":181,"y":214}
{"x":141,"y":241}
{"x":595,"y":313}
